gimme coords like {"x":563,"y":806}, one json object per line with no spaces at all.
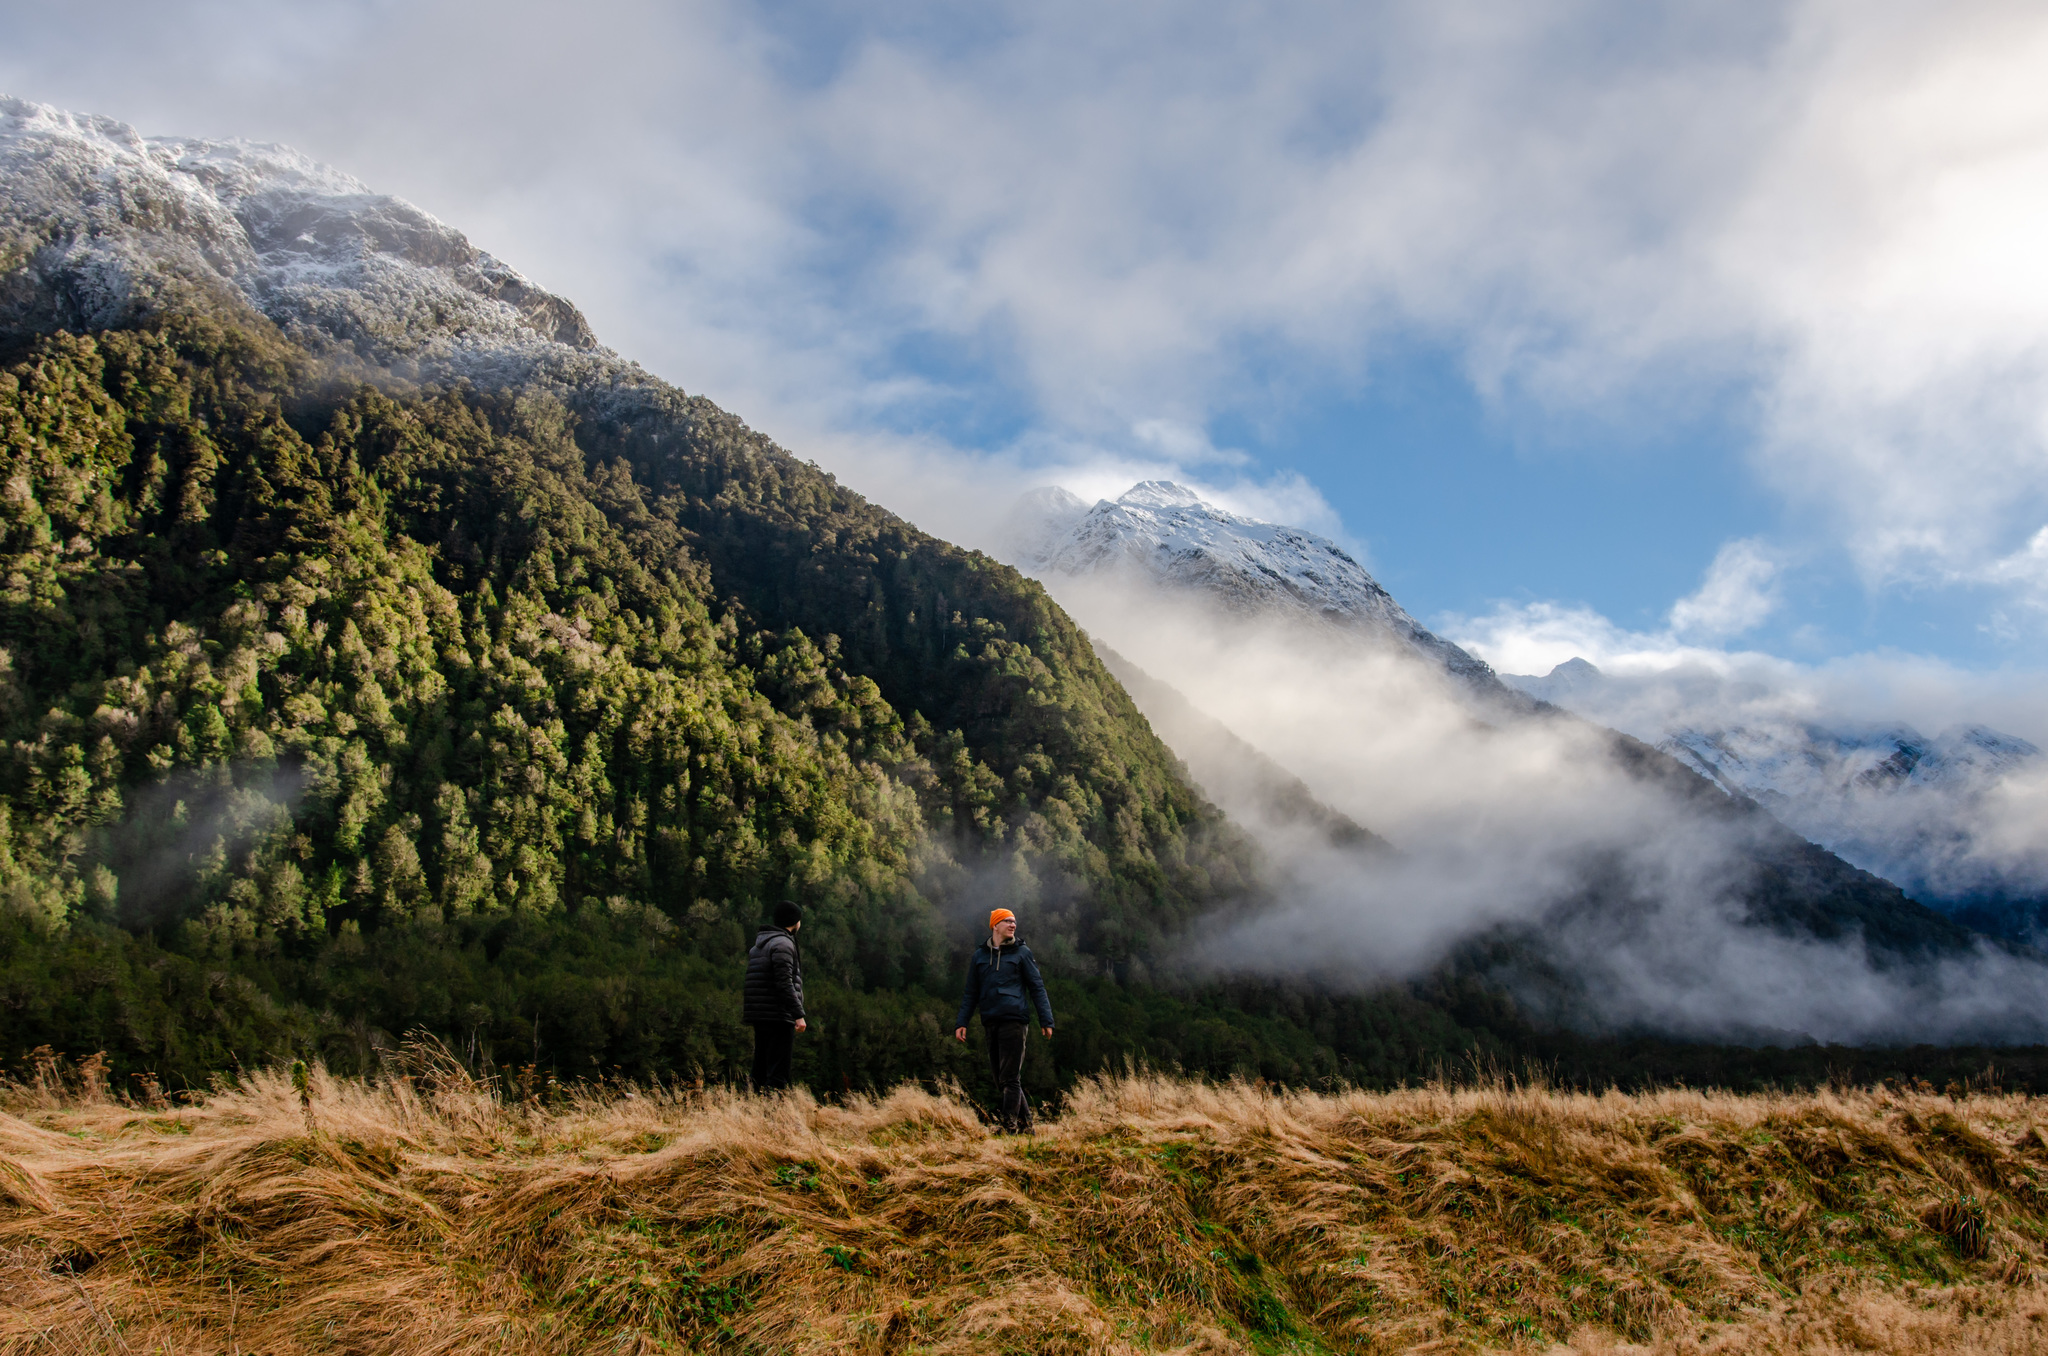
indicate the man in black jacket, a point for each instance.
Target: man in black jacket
{"x":774,"y":1002}
{"x":998,"y":979}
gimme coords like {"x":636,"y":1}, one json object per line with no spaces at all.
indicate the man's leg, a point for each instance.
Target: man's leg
{"x":773,"y":1042}
{"x":1014,"y":1101}
{"x":760,"y":1073}
{"x":1007,"y":1045}
{"x":991,"y":1035}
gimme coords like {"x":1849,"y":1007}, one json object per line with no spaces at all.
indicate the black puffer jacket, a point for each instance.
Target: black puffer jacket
{"x":1003,"y":982}
{"x":775,"y":979}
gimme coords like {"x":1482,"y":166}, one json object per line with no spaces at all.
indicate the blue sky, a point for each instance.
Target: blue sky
{"x":1564,"y":314}
{"x":1463,"y":505}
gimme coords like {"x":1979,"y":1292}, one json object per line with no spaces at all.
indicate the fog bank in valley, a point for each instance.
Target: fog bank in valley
{"x":1629,"y":890}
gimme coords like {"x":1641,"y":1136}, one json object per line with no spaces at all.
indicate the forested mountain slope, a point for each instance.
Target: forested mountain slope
{"x":377,"y":652}
{"x":382,"y":652}
{"x":296,"y":666}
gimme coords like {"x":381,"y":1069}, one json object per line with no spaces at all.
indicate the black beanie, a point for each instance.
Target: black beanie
{"x":787,"y":915}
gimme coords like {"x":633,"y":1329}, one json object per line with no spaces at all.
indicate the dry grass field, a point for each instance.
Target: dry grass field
{"x":424,"y":1214}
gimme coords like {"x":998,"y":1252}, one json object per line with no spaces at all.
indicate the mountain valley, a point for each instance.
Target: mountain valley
{"x":1503,"y":811}
{"x":383,"y":654}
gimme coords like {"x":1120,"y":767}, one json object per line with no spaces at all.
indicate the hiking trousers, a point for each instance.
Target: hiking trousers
{"x":1006,"y":1062}
{"x":773,"y":1042}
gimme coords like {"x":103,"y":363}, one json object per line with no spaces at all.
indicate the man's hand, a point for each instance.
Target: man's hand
{"x":1046,"y":1032}
{"x":800,"y":1024}
{"x":959,"y":1033}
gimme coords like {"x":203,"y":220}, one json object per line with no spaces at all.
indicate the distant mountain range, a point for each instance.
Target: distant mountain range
{"x":1160,"y":539}
{"x":1926,"y":812}
{"x":1904,"y":806}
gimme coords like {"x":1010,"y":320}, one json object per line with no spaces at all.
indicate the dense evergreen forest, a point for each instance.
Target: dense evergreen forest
{"x":332,"y":712}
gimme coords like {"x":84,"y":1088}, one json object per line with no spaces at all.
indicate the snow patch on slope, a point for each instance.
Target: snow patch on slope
{"x":1955,"y":818}
{"x":99,"y":225}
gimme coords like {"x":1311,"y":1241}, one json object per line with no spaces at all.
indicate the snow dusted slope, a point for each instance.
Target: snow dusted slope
{"x":99,"y":224}
{"x":1955,"y":818}
{"x":1779,"y":767}
{"x":1168,"y":533}
{"x":1925,"y":812}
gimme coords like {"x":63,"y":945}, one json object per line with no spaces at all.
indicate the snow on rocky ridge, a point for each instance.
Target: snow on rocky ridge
{"x":1778,"y":765}
{"x":1167,"y":533}
{"x":99,"y":223}
{"x":1916,"y":810}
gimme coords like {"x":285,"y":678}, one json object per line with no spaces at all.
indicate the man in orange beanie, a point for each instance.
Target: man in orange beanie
{"x":999,"y":976}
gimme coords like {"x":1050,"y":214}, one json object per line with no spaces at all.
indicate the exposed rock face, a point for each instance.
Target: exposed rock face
{"x":100,"y":225}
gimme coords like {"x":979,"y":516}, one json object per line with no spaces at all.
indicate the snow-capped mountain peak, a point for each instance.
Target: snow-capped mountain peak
{"x":1561,"y":684}
{"x":99,"y":222}
{"x":1168,"y":534}
{"x":1160,"y":494}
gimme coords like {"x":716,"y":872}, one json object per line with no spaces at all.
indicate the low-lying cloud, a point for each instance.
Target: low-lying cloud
{"x":1637,"y":895}
{"x":1815,"y":734}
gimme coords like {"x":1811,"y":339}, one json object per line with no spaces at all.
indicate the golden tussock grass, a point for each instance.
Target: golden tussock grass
{"x":426,"y":1215}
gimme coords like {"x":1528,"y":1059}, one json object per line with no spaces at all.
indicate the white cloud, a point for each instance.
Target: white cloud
{"x":1736,"y":596}
{"x":1670,"y":683}
{"x":1631,"y":890}
{"x":1830,"y":210}
{"x":1186,"y":444}
{"x":2027,"y":567}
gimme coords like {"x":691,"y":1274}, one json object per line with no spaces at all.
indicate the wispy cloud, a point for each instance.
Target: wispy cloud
{"x":1638,"y":894}
{"x":1677,"y":681}
{"x":1736,"y":596}
{"x":1038,"y":226}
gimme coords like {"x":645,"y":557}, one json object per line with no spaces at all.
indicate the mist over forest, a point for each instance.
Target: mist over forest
{"x":1470,"y":578}
{"x":386,"y":656}
{"x":1645,"y":892}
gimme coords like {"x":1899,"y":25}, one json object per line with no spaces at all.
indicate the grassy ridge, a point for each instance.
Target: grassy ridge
{"x":427,"y":1214}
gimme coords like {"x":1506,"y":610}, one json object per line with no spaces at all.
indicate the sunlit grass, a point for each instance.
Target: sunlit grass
{"x":425,"y":1213}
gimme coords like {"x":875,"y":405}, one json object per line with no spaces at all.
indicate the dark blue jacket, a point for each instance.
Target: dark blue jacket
{"x":997,"y":980}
